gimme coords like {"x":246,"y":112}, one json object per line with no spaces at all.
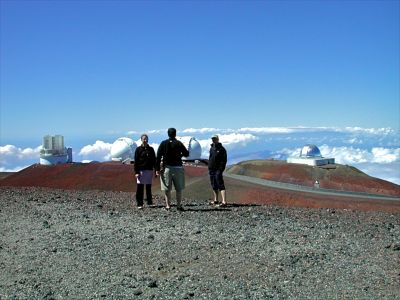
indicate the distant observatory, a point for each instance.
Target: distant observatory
{"x":193,"y":146}
{"x":53,"y":151}
{"x":310,"y":155}
{"x":123,"y":150}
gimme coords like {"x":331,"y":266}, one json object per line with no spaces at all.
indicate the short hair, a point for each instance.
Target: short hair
{"x":144,"y":134}
{"x":171,"y":132}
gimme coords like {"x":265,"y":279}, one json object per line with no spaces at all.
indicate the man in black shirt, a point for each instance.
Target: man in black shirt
{"x":169,"y":155}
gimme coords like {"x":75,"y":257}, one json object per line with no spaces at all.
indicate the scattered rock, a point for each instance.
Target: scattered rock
{"x":247,"y":252}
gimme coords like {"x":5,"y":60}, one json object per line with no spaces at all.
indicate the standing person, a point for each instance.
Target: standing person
{"x":145,"y":162}
{"x":170,"y":152}
{"x":216,"y":166}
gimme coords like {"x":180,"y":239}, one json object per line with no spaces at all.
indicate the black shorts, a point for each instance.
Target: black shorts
{"x":217,"y":180}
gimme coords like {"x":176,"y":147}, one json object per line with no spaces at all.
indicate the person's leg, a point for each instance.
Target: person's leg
{"x":167,"y":195}
{"x":221,"y":187}
{"x":179,"y":199}
{"x":139,"y":194}
{"x":214,"y":186}
{"x":223,"y":196}
{"x":149,"y":196}
{"x":179,"y":184}
{"x":165,"y":180}
{"x":215,"y":193}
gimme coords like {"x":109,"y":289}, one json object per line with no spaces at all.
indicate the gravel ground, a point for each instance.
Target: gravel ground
{"x":59,"y":244}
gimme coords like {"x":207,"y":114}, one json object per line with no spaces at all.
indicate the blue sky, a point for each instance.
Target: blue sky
{"x":96,"y":70}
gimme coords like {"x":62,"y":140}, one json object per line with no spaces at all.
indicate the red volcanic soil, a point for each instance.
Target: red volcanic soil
{"x":338,"y":177}
{"x":255,"y":194}
{"x":79,"y":176}
{"x":5,"y":174}
{"x":109,"y":176}
{"x":115,"y":176}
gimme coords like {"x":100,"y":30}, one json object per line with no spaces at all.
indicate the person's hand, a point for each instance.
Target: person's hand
{"x":157,"y":173}
{"x":137,"y":175}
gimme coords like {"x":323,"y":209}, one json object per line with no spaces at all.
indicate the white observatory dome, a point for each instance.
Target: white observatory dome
{"x":310,"y":151}
{"x":193,"y":146}
{"x":123,"y":149}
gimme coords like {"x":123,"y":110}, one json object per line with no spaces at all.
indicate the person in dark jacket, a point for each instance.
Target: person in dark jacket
{"x":169,"y":155}
{"x":145,"y":162}
{"x":216,"y":166}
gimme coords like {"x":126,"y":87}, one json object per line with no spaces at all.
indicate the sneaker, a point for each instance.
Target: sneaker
{"x":222,"y":205}
{"x":140,"y":207}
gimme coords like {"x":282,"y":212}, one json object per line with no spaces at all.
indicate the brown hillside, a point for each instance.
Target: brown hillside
{"x":119,"y":177}
{"x":246,"y":193}
{"x":109,"y":176}
{"x":79,"y":176}
{"x":338,"y":177}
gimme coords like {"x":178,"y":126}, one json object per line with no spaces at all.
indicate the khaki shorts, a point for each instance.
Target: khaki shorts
{"x":173,"y":175}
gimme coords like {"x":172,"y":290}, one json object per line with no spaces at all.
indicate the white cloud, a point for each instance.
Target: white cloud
{"x":98,"y":151}
{"x":229,"y":141}
{"x":201,"y":130}
{"x":350,"y":155}
{"x":287,"y":130}
{"x":346,"y":155}
{"x":132,"y":132}
{"x":389,"y":172}
{"x":13,"y":169}
{"x":372,"y":147}
{"x":11,"y":150}
{"x":10,"y":154}
{"x":382,"y":155}
{"x":257,"y":130}
{"x":237,"y":139}
{"x":86,"y":161}
{"x":354,"y":141}
{"x":374,"y":131}
{"x":300,"y":129}
{"x":156,"y":131}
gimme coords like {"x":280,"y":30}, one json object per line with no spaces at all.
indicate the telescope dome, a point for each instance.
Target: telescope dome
{"x":123,"y":149}
{"x":310,"y":151}
{"x":193,"y":147}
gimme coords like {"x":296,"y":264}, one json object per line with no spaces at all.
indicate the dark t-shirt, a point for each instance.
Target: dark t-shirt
{"x":171,"y":150}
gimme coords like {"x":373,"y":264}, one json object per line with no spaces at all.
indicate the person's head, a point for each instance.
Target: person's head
{"x":171,"y":132}
{"x":144,"y":138}
{"x":215,"y":139}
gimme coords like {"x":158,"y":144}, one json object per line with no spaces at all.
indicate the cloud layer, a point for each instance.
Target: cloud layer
{"x":99,"y":151}
{"x":375,"y":151}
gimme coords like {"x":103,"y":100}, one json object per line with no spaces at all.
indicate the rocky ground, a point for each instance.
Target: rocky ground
{"x":63,"y":244}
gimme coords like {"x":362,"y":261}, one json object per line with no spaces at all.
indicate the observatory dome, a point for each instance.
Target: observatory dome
{"x":310,"y":151}
{"x":193,"y":146}
{"x":123,"y":149}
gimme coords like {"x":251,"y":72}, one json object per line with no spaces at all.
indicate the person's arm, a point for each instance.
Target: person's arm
{"x":160,"y":153}
{"x":224,"y":159}
{"x":184,"y":151}
{"x":136,"y":168}
{"x":153,"y":159}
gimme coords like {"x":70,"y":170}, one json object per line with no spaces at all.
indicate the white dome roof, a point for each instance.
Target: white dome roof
{"x":193,"y":146}
{"x":310,"y":151}
{"x":123,"y":149}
